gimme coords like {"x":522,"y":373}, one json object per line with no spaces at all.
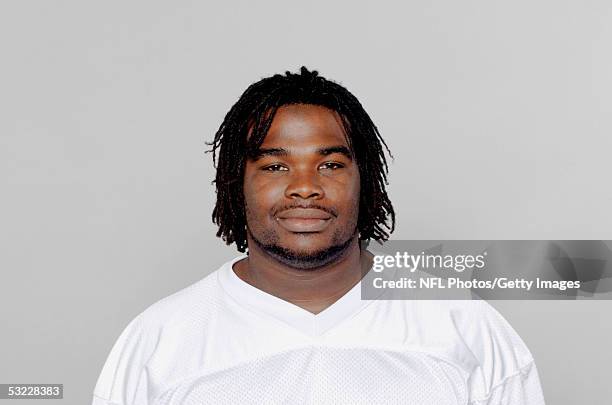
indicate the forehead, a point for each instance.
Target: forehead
{"x":303,"y":125}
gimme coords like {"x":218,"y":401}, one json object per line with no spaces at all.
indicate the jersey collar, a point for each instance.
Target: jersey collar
{"x":292,"y":315}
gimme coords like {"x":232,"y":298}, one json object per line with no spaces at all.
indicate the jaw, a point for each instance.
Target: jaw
{"x":304,"y":256}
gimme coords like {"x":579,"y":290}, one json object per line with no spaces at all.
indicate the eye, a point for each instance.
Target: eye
{"x":274,"y":168}
{"x":331,"y":165}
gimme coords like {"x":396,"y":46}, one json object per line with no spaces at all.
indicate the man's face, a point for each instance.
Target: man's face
{"x":302,"y":190}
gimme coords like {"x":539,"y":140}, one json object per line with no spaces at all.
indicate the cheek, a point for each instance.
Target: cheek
{"x":356,"y":194}
{"x":346,"y":194}
{"x":260,"y":197}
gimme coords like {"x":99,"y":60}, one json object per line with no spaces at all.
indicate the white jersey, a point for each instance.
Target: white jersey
{"x":223,"y":341}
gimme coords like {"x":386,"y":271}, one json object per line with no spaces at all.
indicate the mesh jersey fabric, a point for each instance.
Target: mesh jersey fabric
{"x":222,"y":341}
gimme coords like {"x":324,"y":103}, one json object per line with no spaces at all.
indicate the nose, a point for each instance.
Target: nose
{"x":305,"y":185}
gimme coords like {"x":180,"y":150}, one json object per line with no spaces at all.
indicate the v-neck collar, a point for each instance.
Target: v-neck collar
{"x":291,"y":314}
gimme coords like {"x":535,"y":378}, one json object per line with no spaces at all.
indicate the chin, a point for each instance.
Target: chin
{"x":306,"y":260}
{"x":304,"y":254}
{"x":306,"y":243}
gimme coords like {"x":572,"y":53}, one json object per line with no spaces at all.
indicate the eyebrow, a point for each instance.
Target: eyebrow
{"x":343,"y":150}
{"x":263,"y":152}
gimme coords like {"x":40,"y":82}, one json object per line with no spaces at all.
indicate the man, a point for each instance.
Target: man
{"x":301,"y":175}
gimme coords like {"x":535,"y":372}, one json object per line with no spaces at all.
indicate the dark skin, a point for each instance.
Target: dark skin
{"x":302,"y":197}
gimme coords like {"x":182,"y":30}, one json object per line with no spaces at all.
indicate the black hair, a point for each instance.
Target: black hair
{"x":253,"y":114}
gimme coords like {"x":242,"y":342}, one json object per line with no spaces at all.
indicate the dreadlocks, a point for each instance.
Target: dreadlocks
{"x":253,"y":114}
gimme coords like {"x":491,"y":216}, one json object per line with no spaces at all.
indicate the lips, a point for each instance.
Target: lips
{"x":304,"y":219}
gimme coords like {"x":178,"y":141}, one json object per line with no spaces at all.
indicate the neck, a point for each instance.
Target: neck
{"x":312,"y":290}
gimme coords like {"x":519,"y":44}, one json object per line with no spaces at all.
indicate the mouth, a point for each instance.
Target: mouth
{"x":304,"y":220}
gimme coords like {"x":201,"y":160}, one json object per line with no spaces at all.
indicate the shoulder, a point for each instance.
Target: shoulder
{"x":496,"y":352}
{"x":122,"y":379}
{"x":194,"y":301}
{"x":482,"y":328}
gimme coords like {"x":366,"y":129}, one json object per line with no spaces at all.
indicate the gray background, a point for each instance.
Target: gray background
{"x":498,"y":114}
